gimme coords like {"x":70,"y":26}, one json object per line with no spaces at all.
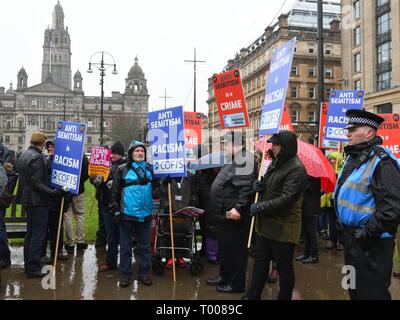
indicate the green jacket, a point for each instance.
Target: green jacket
{"x":285,"y":180}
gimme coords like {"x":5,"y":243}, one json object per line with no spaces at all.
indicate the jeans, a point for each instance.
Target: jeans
{"x":37,"y":219}
{"x":113,"y":236}
{"x":142,"y":233}
{"x":4,"y":249}
{"x":282,"y":253}
{"x":323,"y":220}
{"x":310,"y":223}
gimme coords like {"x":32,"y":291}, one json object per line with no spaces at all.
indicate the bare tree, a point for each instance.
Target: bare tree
{"x":125,"y":128}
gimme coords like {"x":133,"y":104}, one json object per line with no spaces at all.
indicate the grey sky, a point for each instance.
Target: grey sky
{"x":162,"y":33}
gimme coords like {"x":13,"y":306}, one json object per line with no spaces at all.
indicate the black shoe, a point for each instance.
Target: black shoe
{"x":302,"y":257}
{"x":215,"y":281}
{"x":227,"y":288}
{"x":100,"y":243}
{"x":331,"y":245}
{"x":33,"y":275}
{"x":45,"y":260}
{"x":81,"y":246}
{"x":146,"y":281}
{"x":61,"y":257}
{"x":124,"y":283}
{"x":396,"y":274}
{"x":5,"y":263}
{"x":69,"y":249}
{"x":310,"y":259}
{"x":340,"y":247}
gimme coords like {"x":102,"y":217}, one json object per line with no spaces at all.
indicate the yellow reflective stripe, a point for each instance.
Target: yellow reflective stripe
{"x":356,"y":207}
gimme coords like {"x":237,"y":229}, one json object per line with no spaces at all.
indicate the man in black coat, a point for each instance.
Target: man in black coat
{"x":35,"y":192}
{"x":7,"y":159}
{"x":230,"y":198}
{"x":309,"y":216}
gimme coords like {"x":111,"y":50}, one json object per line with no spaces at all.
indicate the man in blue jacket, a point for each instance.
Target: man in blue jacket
{"x":132,"y":205}
{"x":367,"y":198}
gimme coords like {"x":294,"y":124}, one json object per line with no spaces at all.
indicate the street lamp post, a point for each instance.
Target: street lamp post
{"x":102,"y":67}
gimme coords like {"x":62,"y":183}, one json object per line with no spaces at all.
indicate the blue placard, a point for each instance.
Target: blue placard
{"x":339,"y":102}
{"x":68,"y":153}
{"x":279,"y":73}
{"x":167,"y":142}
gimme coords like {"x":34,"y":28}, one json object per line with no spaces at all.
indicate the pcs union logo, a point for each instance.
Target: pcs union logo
{"x":396,"y":117}
{"x":82,"y":128}
{"x":156,"y":166}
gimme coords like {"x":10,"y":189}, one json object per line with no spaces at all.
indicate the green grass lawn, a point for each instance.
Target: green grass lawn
{"x":91,"y":217}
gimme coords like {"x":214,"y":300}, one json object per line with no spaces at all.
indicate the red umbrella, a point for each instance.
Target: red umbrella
{"x":316,"y":164}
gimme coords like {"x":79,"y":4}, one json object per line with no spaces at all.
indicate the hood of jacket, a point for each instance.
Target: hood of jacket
{"x":289,"y":146}
{"x":134,"y":144}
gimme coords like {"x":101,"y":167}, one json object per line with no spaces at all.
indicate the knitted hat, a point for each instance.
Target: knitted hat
{"x":118,"y":148}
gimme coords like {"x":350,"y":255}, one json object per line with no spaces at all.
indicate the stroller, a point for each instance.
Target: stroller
{"x":185,"y":240}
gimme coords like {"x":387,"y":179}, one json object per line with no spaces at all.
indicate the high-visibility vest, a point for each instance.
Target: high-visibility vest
{"x":355,"y":203}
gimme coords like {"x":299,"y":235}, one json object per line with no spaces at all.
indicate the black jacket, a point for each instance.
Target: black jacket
{"x":280,"y":219}
{"x":385,"y":187}
{"x":7,"y":159}
{"x":312,"y":197}
{"x":84,"y":174}
{"x":34,"y":179}
{"x":232,"y":188}
{"x":103,"y":192}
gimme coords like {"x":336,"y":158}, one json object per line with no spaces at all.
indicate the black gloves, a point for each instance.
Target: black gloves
{"x":254,"y":209}
{"x":167,"y":180}
{"x":258,"y":186}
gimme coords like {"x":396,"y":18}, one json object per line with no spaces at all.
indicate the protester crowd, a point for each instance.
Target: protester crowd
{"x":361,"y":216}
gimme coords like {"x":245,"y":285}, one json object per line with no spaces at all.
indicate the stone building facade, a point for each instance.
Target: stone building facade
{"x":25,"y":109}
{"x":254,"y":63}
{"x":371,"y":52}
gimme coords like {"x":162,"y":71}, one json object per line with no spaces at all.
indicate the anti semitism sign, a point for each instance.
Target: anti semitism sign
{"x":339,"y":102}
{"x":167,"y":142}
{"x":99,"y":163}
{"x":279,"y":73}
{"x":390,"y":133}
{"x":231,"y":103}
{"x":322,"y":142}
{"x":68,"y":153}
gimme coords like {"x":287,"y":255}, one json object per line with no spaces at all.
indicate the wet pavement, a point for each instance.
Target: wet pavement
{"x":79,"y":278}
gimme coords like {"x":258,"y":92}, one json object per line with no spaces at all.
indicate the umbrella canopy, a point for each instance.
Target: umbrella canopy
{"x":211,"y":160}
{"x":315,"y":162}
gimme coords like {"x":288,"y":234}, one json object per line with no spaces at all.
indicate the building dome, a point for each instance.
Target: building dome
{"x":136,"y":71}
{"x":78,"y":74}
{"x":58,"y":9}
{"x":22,"y":72}
{"x":10,"y":90}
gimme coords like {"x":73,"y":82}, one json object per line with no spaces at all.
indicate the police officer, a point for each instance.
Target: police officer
{"x":367,"y":199}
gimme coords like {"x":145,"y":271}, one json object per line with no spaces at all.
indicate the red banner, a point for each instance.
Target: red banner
{"x":390,"y":132}
{"x":286,"y":123}
{"x":322,"y":142}
{"x":230,"y":99}
{"x":193,"y":129}
{"x":99,"y":163}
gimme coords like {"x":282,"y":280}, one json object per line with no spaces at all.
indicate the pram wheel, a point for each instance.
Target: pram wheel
{"x":196,"y":268}
{"x":157,"y":265}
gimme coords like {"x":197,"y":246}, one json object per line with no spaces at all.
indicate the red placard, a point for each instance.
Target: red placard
{"x":286,"y":123}
{"x":231,"y":103}
{"x":99,"y":163}
{"x":193,"y":129}
{"x":322,"y":142}
{"x":390,"y":132}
